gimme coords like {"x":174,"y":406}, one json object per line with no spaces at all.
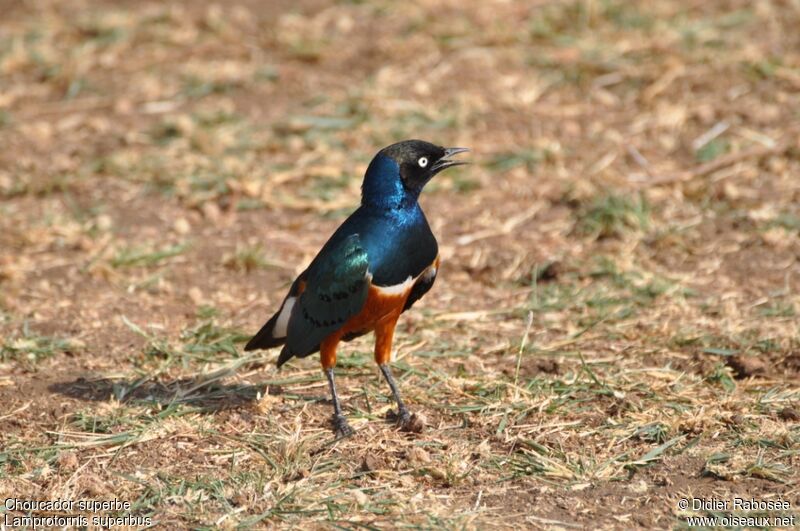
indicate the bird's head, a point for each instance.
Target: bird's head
{"x":398,"y":173}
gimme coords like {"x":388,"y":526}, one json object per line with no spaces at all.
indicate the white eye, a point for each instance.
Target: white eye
{"x":423,"y":161}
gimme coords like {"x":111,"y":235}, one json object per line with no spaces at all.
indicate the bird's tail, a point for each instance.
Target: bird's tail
{"x":274,"y":333}
{"x":265,"y":338}
{"x":285,"y":356}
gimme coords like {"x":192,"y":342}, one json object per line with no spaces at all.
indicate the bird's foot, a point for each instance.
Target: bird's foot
{"x":406,"y":421}
{"x":341,"y":428}
{"x":399,"y":417}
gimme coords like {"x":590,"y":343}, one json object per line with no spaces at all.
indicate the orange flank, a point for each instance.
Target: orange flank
{"x":380,"y":313}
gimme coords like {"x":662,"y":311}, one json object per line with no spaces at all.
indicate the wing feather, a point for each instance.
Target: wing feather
{"x":336,"y":289}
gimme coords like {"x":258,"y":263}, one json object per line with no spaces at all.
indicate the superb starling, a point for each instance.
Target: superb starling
{"x":377,"y":264}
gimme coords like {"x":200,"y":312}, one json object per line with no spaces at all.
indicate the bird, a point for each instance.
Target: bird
{"x":380,"y":261}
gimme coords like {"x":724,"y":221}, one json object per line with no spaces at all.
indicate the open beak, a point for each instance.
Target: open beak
{"x":445,"y":162}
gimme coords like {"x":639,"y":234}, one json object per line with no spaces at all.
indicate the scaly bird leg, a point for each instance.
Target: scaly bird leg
{"x":402,"y":412}
{"x":328,"y":358}
{"x":384,"y":333}
{"x":340,"y":425}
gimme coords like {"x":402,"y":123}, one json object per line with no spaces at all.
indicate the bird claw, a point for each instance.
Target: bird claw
{"x":401,"y":417}
{"x":341,"y":428}
{"x":411,"y":423}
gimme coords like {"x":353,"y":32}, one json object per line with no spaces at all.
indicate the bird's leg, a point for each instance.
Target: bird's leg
{"x":340,"y":425}
{"x":384,"y":333}
{"x":328,"y":357}
{"x":402,"y":412}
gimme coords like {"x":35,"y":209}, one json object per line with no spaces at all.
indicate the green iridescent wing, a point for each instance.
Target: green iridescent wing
{"x":336,"y":290}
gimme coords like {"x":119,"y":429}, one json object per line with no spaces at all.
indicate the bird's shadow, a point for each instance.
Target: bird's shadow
{"x":207,"y":396}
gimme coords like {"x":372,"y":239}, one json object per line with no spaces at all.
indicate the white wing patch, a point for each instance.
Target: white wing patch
{"x":282,"y":324}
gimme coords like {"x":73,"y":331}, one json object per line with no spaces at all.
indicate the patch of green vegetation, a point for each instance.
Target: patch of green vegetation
{"x":143,"y":257}
{"x":557,"y":20}
{"x":195,"y":87}
{"x":76,"y":87}
{"x":765,"y":69}
{"x":246,"y":258}
{"x":14,"y":188}
{"x":10,"y":463}
{"x":43,"y":187}
{"x":89,"y":422}
{"x":250,"y":203}
{"x":353,"y":106}
{"x":767,"y":345}
{"x":463,"y":184}
{"x":528,"y":159}
{"x":644,"y":288}
{"x":720,"y":351}
{"x":553,"y":297}
{"x":32,"y":348}
{"x":100,"y":33}
{"x":723,"y":466}
{"x":214,"y":118}
{"x":712,"y":150}
{"x":785,"y":220}
{"x":417,"y":124}
{"x":165,"y":131}
{"x":710,"y":32}
{"x":611,"y":297}
{"x":266,"y":73}
{"x":654,"y":455}
{"x":208,"y":338}
{"x":205,"y":312}
{"x":325,"y":187}
{"x":772,"y":471}
{"x":453,"y":180}
{"x":307,"y":50}
{"x":654,"y":432}
{"x":613,"y":216}
{"x":207,"y":184}
{"x":202,"y":343}
{"x":747,"y":342}
{"x":778,"y":309}
{"x":5,"y":118}
{"x":150,"y":169}
{"x":721,"y":375}
{"x":562,"y":22}
{"x":314,"y":124}
{"x":581,"y":72}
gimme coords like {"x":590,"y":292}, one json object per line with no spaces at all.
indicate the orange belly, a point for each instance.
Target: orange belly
{"x":379,"y":307}
{"x":380,"y":313}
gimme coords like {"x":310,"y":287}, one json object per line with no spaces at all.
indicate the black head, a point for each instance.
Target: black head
{"x":419,"y":161}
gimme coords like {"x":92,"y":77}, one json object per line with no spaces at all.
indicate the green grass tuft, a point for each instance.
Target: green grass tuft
{"x":613,"y":216}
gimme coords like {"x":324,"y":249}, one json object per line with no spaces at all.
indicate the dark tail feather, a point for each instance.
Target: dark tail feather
{"x":285,"y":356}
{"x":263,"y":339}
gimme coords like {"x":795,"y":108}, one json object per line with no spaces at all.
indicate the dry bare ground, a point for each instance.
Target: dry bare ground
{"x":615,"y":323}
